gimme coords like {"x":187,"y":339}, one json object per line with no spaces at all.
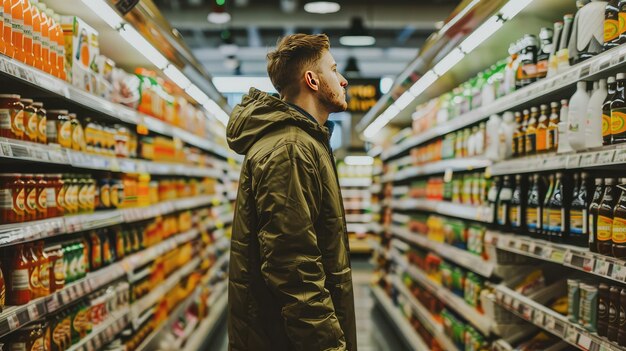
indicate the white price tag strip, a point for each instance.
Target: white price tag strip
{"x":33,"y":312}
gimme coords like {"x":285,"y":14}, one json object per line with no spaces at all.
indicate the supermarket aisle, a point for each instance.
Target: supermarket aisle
{"x":374,"y":332}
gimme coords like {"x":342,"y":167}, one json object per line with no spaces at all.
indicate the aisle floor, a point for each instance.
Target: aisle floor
{"x":373,"y":330}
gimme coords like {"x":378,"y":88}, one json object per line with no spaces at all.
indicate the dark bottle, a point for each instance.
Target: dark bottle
{"x":531,"y":132}
{"x":603,"y":309}
{"x":622,"y":21}
{"x":578,"y":214}
{"x":606,"y":110}
{"x":618,"y":111}
{"x":492,"y":198}
{"x":545,"y":209}
{"x":621,"y":333}
{"x":533,"y":208}
{"x":529,"y":60}
{"x":522,"y":139}
{"x":611,"y":25}
{"x":504,"y":203}
{"x":605,"y":218}
{"x":618,"y":230}
{"x":518,"y":136}
{"x":546,"y":36}
{"x":516,"y":217}
{"x":556,"y":209}
{"x":594,"y":207}
{"x":614,"y":306}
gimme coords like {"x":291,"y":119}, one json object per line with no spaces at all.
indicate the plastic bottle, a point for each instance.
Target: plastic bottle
{"x":505,"y":136}
{"x":563,"y":146}
{"x":52,"y":31}
{"x":504,"y":203}
{"x":45,"y":37}
{"x":542,"y":130}
{"x":493,"y":138}
{"x":510,"y":70}
{"x":594,"y":207}
{"x":606,"y":110}
{"x":17,"y":30}
{"x":553,"y":64}
{"x":588,"y":31}
{"x":576,"y":117}
{"x":29,"y":57}
{"x":593,"y":132}
{"x":531,"y":132}
{"x":618,"y":111}
{"x":546,"y":36}
{"x":60,"y":47}
{"x":563,"y":53}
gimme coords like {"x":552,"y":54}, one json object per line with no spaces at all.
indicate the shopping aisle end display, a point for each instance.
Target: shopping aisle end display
{"x":503,"y":205}
{"x":116,"y":188}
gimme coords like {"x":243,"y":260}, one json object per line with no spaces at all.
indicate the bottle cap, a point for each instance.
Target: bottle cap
{"x":564,"y":102}
{"x":621,"y":76}
{"x":554,"y":104}
{"x":611,"y":80}
{"x":534,"y":109}
{"x":543,"y":106}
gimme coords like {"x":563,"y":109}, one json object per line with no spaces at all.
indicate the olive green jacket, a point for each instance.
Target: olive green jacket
{"x":290,"y":284}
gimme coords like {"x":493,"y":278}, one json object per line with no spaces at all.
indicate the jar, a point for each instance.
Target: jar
{"x":42,"y":196}
{"x":44,"y":269}
{"x":83,"y":195}
{"x":12,"y":198}
{"x":92,"y":142}
{"x":59,"y":128}
{"x":71,"y":195}
{"x":56,"y":266}
{"x":11,"y":109}
{"x":54,"y":183}
{"x":30,"y":193}
{"x":65,"y":183}
{"x":19,"y":284}
{"x":31,"y":120}
{"x":42,"y":136}
{"x":78,"y":134}
{"x":121,"y":141}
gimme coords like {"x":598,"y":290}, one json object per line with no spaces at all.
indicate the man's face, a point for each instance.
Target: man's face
{"x":332,"y":93}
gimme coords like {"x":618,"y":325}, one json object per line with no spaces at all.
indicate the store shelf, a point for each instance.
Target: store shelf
{"x":482,"y":322}
{"x":204,"y":330}
{"x":474,"y":213}
{"x":27,"y":231}
{"x":357,"y":206}
{"x":461,"y":257}
{"x":570,"y":256}
{"x":400,"y":323}
{"x":599,"y":65}
{"x":454,"y":165}
{"x":104,"y":333}
{"x":360,"y":246}
{"x":73,"y":96}
{"x":551,"y":321}
{"x":376,"y":227}
{"x":375,"y":188}
{"x":358,"y":228}
{"x":358,"y":218}
{"x":355,"y":193}
{"x":603,"y":157}
{"x":355,"y":182}
{"x":434,"y":328}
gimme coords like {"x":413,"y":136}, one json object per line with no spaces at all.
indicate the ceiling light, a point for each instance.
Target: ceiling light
{"x":105,"y":12}
{"x":359,"y":160}
{"x":385,"y":84}
{"x":357,"y":35}
{"x":513,"y":7}
{"x":322,"y":7}
{"x":481,"y":34}
{"x":140,"y":43}
{"x":219,"y":17}
{"x":455,"y":56}
{"x":177,"y":76}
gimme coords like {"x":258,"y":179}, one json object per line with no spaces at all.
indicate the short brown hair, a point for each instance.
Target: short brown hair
{"x":293,"y":54}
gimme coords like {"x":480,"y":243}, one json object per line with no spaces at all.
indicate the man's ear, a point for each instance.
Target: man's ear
{"x":311,"y":80}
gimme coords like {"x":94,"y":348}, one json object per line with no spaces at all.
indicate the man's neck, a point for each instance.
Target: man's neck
{"x":309,"y":105}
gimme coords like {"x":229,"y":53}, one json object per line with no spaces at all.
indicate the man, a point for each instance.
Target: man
{"x":290,"y":282}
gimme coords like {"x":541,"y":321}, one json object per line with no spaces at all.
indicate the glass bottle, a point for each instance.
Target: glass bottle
{"x":517,"y":136}
{"x":531,"y":132}
{"x":578,"y":215}
{"x":618,"y":231}
{"x":546,"y":226}
{"x":552,"y":138}
{"x":593,"y":213}
{"x":517,"y":210}
{"x":605,"y":218}
{"x":504,"y":203}
{"x":546,"y":36}
{"x":611,"y":25}
{"x":542,"y":131}
{"x":618,"y":111}
{"x":533,"y":208}
{"x":606,"y":110}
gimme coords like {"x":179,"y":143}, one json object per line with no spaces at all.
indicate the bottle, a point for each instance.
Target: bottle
{"x":611,"y":25}
{"x":523,"y":130}
{"x":588,"y":31}
{"x":593,"y":136}
{"x":563,"y":53}
{"x":517,"y":206}
{"x":8,"y":30}
{"x":529,"y":60}
{"x":621,"y":333}
{"x":552,"y":138}
{"x":604,"y":297}
{"x":614,"y":306}
{"x":518,"y":136}
{"x":546,"y":225}
{"x":618,"y":231}
{"x":606,"y":110}
{"x":504,"y":203}
{"x":45,"y":37}
{"x":519,"y":74}
{"x":17,"y":30}
{"x":533,"y":208}
{"x":531,"y":132}
{"x":492,"y":198}
{"x":29,"y":57}
{"x":622,"y":21}
{"x":505,"y":136}
{"x":543,"y":56}
{"x":510,"y":71}
{"x":36,"y":14}
{"x":492,"y":131}
{"x":542,"y":130}
{"x":579,"y":213}
{"x":563,"y":146}
{"x":60,"y":47}
{"x":594,"y":207}
{"x":557,"y":215}
{"x":52,"y":31}
{"x":19,"y":277}
{"x":605,"y":218}
{"x":577,"y":117}
{"x":618,"y":111}
{"x":553,"y":64}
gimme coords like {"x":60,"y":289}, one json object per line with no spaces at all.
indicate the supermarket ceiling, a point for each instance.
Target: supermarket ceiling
{"x":399,"y":26}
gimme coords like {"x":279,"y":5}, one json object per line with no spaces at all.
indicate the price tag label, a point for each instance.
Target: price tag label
{"x":538,"y":318}
{"x":33,"y":312}
{"x":619,"y":272}
{"x":602,"y":267}
{"x":14,"y":322}
{"x":557,"y":256}
{"x":584,"y":341}
{"x":549,"y":322}
{"x":64,"y":296}
{"x":516,"y":305}
{"x":588,"y":160}
{"x":573,"y":161}
{"x":584,"y":71}
{"x":571,"y":335}
{"x":606,"y":157}
{"x":527,"y":312}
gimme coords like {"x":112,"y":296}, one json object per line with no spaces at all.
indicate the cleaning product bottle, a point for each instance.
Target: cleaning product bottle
{"x":563,"y":53}
{"x":553,"y":64}
{"x":611,"y":25}
{"x":505,"y":136}
{"x":493,"y":138}
{"x":563,"y":126}
{"x":576,"y":118}
{"x":593,"y":132}
{"x":588,"y":31}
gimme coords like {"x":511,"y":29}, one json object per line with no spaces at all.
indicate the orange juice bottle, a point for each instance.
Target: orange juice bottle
{"x":6,"y":28}
{"x":2,"y":26}
{"x":60,"y":40}
{"x":53,"y":44}
{"x":17,"y":29}
{"x":28,"y":34}
{"x":36,"y":34}
{"x":45,"y":39}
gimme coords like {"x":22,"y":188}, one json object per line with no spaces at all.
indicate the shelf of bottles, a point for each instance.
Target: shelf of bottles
{"x":355,"y":182}
{"x":512,"y":183}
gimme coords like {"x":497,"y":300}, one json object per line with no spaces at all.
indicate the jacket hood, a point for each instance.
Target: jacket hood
{"x":259,"y":113}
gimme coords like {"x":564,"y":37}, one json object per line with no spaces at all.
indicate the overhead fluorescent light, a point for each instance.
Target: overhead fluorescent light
{"x":455,"y":56}
{"x":105,"y":12}
{"x":197,"y":94}
{"x":177,"y":76}
{"x":404,"y":100}
{"x":513,"y":7}
{"x":357,"y":40}
{"x":481,"y":34}
{"x":322,"y":7}
{"x":358,"y":160}
{"x":143,"y":46}
{"x":219,"y":17}
{"x":423,"y":83}
{"x":385,"y":84}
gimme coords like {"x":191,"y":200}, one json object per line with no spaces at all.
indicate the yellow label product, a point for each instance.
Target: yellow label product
{"x":618,"y":121}
{"x":611,"y":30}
{"x":618,"y":231}
{"x":606,"y":125}
{"x":605,"y":225}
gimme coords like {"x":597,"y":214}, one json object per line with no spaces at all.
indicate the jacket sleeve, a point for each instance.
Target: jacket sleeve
{"x":287,"y":193}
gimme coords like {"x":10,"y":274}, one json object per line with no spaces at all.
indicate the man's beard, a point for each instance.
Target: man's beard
{"x":332,"y":101}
